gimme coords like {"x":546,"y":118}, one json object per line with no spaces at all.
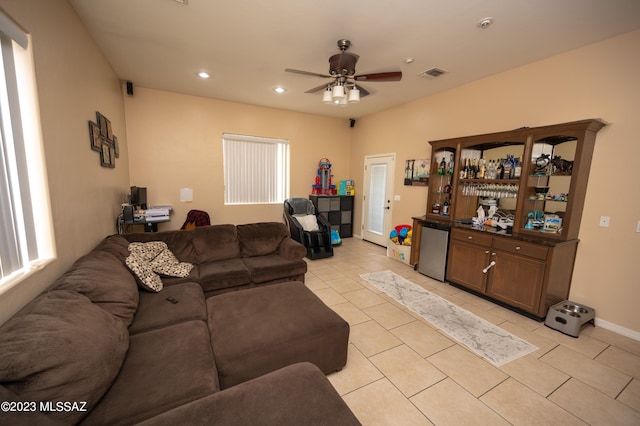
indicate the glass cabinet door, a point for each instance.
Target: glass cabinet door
{"x":441,"y":180}
{"x":548,"y":185}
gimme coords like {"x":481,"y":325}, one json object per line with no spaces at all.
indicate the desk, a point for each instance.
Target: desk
{"x":149,"y":226}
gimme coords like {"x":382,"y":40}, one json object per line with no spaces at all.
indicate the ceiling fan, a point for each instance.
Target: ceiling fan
{"x":342,"y":69}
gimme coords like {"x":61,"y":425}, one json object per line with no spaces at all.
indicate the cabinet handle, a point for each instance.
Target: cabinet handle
{"x":491,"y":265}
{"x":493,"y":254}
{"x":517,"y":247}
{"x":469,"y":237}
{"x":486,"y":252}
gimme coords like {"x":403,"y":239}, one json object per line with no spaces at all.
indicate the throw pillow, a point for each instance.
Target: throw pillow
{"x":165,"y":263}
{"x":143,"y":271}
{"x":309,"y":222}
{"x":151,"y":258}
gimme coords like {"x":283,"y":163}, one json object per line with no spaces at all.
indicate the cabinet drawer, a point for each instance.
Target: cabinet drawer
{"x":521,"y":248}
{"x":471,"y":236}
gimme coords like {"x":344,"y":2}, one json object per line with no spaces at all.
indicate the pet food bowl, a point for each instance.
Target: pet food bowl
{"x":568,"y":317}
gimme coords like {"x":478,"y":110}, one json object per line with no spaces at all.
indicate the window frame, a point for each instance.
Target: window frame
{"x":26,"y":230}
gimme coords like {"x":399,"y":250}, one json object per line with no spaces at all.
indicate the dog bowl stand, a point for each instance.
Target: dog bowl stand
{"x":568,"y":317}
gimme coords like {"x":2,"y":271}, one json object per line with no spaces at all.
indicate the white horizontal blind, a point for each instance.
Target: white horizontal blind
{"x":24,"y":206}
{"x":256,"y":170}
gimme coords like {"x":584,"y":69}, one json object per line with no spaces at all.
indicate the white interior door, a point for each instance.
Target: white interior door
{"x":378,"y":190}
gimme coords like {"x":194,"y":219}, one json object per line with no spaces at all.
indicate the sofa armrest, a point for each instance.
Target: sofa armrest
{"x":295,"y":395}
{"x":290,"y":249}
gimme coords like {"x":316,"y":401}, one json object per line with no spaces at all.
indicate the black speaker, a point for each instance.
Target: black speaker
{"x":127,"y":213}
{"x":129,"y":88}
{"x":352,"y":122}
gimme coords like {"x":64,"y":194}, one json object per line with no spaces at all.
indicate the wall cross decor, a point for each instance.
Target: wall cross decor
{"x":103,"y":140}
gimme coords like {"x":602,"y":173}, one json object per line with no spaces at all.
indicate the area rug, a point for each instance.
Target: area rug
{"x":482,"y":337}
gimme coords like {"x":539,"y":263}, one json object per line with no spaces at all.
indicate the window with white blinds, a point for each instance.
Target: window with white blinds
{"x":26,"y":236}
{"x":256,"y":170}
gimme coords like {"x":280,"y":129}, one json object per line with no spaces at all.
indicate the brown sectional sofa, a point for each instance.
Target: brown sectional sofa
{"x":97,"y":349}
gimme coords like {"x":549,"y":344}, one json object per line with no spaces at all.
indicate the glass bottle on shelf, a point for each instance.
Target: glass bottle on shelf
{"x":506,"y":168}
{"x":517,"y":170}
{"x":435,"y":209}
{"x":445,"y":207}
{"x":447,"y":187}
{"x":442,"y":166}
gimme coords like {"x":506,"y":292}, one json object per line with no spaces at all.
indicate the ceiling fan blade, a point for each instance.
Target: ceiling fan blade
{"x":317,"y":89}
{"x":363,"y":92}
{"x":380,"y":76}
{"x":314,"y":74}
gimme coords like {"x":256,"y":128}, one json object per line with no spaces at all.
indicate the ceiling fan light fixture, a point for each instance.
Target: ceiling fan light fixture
{"x":338,"y":91}
{"x":354,"y":95}
{"x":326,"y":97}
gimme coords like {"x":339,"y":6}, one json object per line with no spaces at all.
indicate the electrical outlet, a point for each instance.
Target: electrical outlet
{"x":396,"y":198}
{"x":604,"y":221}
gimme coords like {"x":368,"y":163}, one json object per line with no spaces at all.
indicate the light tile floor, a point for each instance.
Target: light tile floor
{"x":403,"y":371}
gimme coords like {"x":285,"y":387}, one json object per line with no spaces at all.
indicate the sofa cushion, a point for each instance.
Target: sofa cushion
{"x":296,"y":395}
{"x":262,"y":329}
{"x":273,"y":267}
{"x":260,"y":239}
{"x":164,"y":368}
{"x":62,"y":347}
{"x":101,"y":277}
{"x":176,"y":303}
{"x":217,"y":242}
{"x":223,"y":274}
{"x":116,"y":245}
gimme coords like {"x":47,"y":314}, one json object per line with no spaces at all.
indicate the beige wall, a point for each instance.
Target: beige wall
{"x":598,"y":81}
{"x":74,"y":81}
{"x":176,"y":142}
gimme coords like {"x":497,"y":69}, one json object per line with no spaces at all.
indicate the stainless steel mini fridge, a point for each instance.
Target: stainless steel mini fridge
{"x":434,"y":244}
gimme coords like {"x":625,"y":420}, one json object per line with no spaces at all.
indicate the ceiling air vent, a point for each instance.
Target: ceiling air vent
{"x":432,"y":73}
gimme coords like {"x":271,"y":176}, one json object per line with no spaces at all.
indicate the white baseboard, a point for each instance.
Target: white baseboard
{"x":618,"y":329}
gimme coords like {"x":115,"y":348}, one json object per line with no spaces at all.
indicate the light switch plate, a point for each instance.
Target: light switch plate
{"x":604,"y":221}
{"x":396,"y":198}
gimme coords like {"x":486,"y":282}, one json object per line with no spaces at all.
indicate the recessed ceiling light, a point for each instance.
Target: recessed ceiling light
{"x":485,"y":23}
{"x":279,"y":90}
{"x":203,"y":74}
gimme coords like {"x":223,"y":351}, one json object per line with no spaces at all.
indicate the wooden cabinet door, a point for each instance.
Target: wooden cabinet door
{"x":516,"y":280}
{"x":465,"y":264}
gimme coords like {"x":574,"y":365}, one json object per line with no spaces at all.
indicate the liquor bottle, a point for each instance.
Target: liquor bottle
{"x":445,"y":207}
{"x":483,"y":170}
{"x":461,"y":173}
{"x":466,"y":169}
{"x":506,"y":168}
{"x":447,"y":187}
{"x":471,"y":174}
{"x":435,"y":209}
{"x":442,"y":166}
{"x":499,"y":170}
{"x":450,"y":166}
{"x":517,"y":171}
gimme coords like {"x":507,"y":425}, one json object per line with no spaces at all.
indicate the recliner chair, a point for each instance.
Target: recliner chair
{"x":308,"y":227}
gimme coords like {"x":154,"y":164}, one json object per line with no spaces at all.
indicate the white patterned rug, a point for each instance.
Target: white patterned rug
{"x":482,"y":337}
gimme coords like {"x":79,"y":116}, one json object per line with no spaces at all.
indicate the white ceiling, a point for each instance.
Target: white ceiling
{"x":246,"y":45}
